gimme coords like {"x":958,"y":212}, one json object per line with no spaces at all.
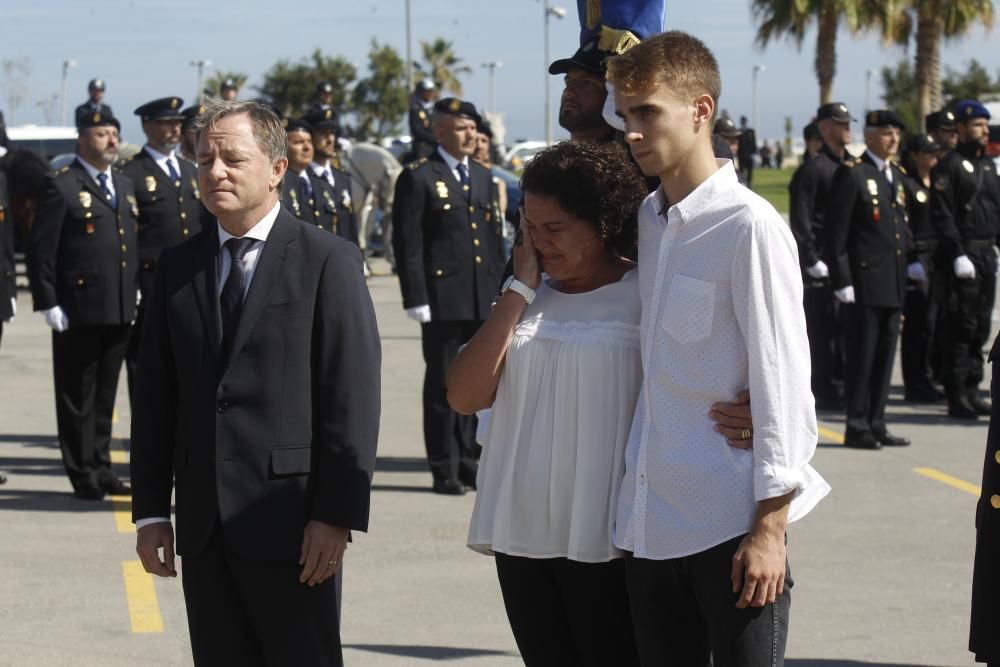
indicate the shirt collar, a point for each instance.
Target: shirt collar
{"x":703,"y":195}
{"x":157,"y":155}
{"x":259,"y":231}
{"x":318,"y":168}
{"x":879,"y":162}
{"x":450,"y":160}
{"x":90,"y":169}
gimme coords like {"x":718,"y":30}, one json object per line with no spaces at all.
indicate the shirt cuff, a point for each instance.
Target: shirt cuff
{"x":775,"y":481}
{"x":153,"y":519}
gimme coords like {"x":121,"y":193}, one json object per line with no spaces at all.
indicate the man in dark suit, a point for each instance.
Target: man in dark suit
{"x":82,"y":261}
{"x":450,"y":259}
{"x":867,"y":248}
{"x":326,"y":164}
{"x":258,"y":406}
{"x":747,"y":149}
{"x":983,"y":638}
{"x":95,"y":102}
{"x":166,"y":190}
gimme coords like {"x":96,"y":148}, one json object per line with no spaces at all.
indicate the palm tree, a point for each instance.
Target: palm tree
{"x":791,"y":19}
{"x":213,"y":83}
{"x":933,"y":21}
{"x":442,"y":65}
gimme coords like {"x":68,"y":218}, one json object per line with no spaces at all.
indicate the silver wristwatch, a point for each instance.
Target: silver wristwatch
{"x":515,"y":285}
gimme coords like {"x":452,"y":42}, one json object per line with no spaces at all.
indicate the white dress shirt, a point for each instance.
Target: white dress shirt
{"x":260,"y":231}
{"x":453,"y":163}
{"x":94,"y":173}
{"x":881,"y":165}
{"x":721,"y":295}
{"x":324,"y":171}
{"x":161,"y":160}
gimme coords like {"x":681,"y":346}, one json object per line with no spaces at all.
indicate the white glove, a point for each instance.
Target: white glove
{"x":818,"y":270}
{"x":420,"y":314}
{"x":845,"y":295}
{"x":13,"y":308}
{"x":138,"y":297}
{"x":56,"y":318}
{"x":915,"y":271}
{"x":964,"y":268}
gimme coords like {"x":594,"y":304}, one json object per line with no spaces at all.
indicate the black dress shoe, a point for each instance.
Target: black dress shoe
{"x":3,"y":478}
{"x":88,"y":491}
{"x":981,"y":407}
{"x":924,"y":394}
{"x":962,"y":409}
{"x":449,"y":487}
{"x":115,"y":487}
{"x":861,"y":440}
{"x":887,"y":439}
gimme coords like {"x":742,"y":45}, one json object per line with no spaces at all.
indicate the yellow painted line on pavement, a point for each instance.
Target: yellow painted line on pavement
{"x":114,"y":416}
{"x":119,"y":456}
{"x":143,"y":607}
{"x":945,"y":478}
{"x":831,"y":435}
{"x":121,"y":507}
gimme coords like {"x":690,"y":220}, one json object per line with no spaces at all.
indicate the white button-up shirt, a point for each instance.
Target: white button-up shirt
{"x":93,"y":173}
{"x":453,"y":163}
{"x":161,"y":160}
{"x":722,"y":311}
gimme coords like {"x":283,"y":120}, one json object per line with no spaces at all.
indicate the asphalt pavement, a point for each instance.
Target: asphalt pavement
{"x":882,"y":567}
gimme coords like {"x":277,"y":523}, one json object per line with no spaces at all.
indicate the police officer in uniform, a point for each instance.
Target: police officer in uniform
{"x":308,"y":196}
{"x":421,"y":121}
{"x":924,"y":287}
{"x":449,"y":258}
{"x":323,"y":99}
{"x":189,"y":137}
{"x":965,"y":209}
{"x":8,"y":289}
{"x":82,"y":261}
{"x":166,"y":190}
{"x":95,"y":102}
{"x":867,"y":246}
{"x":809,"y":199}
{"x":984,"y":641}
{"x":942,"y":127}
{"x":326,"y":165}
{"x":228,"y":90}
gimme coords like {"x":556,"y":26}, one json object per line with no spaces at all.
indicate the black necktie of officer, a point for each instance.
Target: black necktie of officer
{"x":231,"y":299}
{"x":306,"y":188}
{"x":102,"y":180}
{"x":463,"y":177}
{"x":175,"y":178}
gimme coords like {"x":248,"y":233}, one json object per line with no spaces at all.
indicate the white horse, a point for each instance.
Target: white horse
{"x":373,"y":171}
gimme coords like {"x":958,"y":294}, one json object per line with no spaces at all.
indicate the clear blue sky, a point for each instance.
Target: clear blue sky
{"x":142,"y":48}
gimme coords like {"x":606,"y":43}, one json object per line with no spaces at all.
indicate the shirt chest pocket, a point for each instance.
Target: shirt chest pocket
{"x":689,"y":309}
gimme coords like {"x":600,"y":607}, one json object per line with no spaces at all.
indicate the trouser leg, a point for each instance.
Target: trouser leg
{"x":113,"y":344}
{"x":75,"y":356}
{"x":820,"y":329}
{"x":862,"y":336}
{"x":888,"y":320}
{"x":916,"y":336}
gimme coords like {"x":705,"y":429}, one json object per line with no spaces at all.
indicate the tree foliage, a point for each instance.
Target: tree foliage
{"x":290,"y":86}
{"x":442,"y":65}
{"x":973,"y":83}
{"x":898,"y":85}
{"x":379,"y":100}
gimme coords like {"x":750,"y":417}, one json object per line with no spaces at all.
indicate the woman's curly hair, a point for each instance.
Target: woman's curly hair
{"x":595,"y":182}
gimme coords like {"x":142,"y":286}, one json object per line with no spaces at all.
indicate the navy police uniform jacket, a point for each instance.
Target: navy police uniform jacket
{"x":965,"y":201}
{"x":867,"y":234}
{"x":8,"y":289}
{"x":809,"y":199}
{"x":448,"y":249}
{"x":82,"y":252}
{"x":328,"y":208}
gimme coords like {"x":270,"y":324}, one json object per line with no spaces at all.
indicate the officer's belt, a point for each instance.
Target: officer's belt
{"x":979,"y":245}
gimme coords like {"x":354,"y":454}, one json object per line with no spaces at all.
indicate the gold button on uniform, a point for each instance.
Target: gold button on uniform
{"x":479,"y":260}
{"x":995,"y":502}
{"x":124,"y":264}
{"x":183,"y":215}
{"x":124,"y":247}
{"x":472,"y":209}
{"x":121,"y":232}
{"x":79,"y":281}
{"x":475,"y":226}
{"x":899,"y":252}
{"x":439,"y":272}
{"x":185,"y":231}
{"x":996,"y":456}
{"x":475,"y":242}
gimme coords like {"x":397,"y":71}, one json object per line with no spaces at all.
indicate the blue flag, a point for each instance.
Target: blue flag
{"x":620,"y":24}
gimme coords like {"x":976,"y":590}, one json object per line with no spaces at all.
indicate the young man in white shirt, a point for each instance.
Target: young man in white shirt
{"x":722,"y":312}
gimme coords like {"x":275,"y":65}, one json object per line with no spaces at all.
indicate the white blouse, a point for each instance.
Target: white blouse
{"x":554,"y":450}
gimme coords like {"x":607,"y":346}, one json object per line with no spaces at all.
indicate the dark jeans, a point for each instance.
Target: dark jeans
{"x":565,"y":612}
{"x":684,"y":613}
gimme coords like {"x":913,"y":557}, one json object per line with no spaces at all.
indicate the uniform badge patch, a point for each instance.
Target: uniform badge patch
{"x":921,"y":196}
{"x":872,"y":186}
{"x":442,"y":189}
{"x":966,"y":165}
{"x":85,"y":199}
{"x":150,"y":184}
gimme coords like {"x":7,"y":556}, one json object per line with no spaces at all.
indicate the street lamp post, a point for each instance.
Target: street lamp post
{"x":409,"y":52}
{"x":201,"y":65}
{"x":756,"y":70}
{"x":62,"y":88}
{"x":558,"y":12}
{"x":868,"y":89}
{"x":492,"y":66}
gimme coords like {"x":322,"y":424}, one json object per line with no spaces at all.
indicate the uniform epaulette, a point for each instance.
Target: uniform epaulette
{"x":851,"y":162}
{"x":417,"y":163}
{"x":901,"y":168}
{"x":63,"y":170}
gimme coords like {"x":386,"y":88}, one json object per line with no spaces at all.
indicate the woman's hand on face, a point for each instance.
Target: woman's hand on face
{"x":526,"y":265}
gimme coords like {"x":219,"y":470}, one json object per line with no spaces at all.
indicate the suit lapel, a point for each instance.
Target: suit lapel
{"x":269,"y":269}
{"x":206,"y":291}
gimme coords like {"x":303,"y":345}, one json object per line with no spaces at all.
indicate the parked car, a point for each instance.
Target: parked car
{"x":47,"y":141}
{"x":520,"y":154}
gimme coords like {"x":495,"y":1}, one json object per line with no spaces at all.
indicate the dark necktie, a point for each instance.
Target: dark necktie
{"x":463,"y":177}
{"x":306,"y":187}
{"x":102,"y":180}
{"x":328,"y":176}
{"x":175,"y":178}
{"x":231,"y":299}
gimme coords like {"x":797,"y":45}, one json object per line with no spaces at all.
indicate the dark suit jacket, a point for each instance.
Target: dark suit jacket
{"x":285,"y":429}
{"x":984,"y":640}
{"x":448,"y":251}
{"x":867,"y":234}
{"x":7,"y":286}
{"x":168,"y":213}
{"x":82,"y":254}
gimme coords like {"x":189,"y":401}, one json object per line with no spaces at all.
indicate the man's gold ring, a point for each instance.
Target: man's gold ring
{"x":746,"y":433}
